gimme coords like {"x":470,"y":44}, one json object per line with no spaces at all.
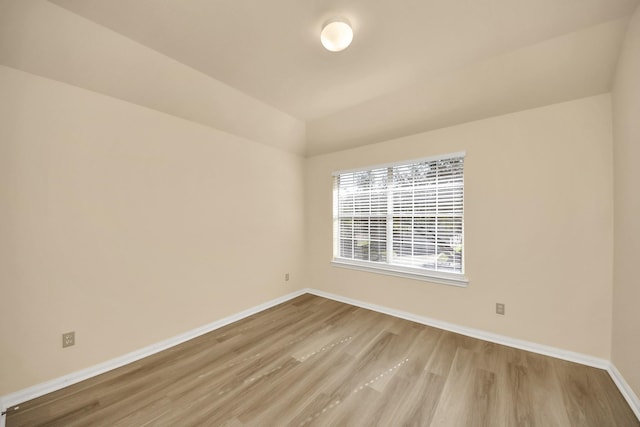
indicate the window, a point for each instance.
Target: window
{"x":405,"y":218}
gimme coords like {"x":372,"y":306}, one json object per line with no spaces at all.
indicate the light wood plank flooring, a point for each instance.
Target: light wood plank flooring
{"x":317,"y":362}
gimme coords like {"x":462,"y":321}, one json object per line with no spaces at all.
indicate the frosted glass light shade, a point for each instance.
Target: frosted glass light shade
{"x":336,"y":36}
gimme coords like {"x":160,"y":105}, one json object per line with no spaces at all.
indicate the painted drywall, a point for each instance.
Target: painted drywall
{"x":540,"y":74}
{"x":538,"y":226}
{"x":626,"y":131}
{"x":129,"y":226}
{"x":42,"y":38}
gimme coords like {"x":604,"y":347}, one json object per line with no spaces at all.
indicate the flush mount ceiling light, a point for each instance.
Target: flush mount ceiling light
{"x":336,"y":35}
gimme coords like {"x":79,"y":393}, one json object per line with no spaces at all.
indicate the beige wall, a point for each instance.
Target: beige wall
{"x":521,"y":79}
{"x":129,"y":226}
{"x":626,"y":130}
{"x":538,"y":224}
{"x":45,"y":39}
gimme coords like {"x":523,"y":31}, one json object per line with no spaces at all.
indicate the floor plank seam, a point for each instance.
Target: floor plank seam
{"x":329,"y":347}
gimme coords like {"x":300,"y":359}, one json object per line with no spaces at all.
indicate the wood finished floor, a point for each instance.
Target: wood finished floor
{"x":317,"y":362}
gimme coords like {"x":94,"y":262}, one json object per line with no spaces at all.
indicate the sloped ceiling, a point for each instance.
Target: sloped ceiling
{"x":414,"y":65}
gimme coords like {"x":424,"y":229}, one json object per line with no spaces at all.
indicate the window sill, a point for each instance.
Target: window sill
{"x":451,"y":279}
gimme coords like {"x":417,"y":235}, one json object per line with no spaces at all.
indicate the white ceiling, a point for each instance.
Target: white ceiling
{"x":414,"y":64}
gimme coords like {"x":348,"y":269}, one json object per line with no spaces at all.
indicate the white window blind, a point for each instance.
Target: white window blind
{"x":408,"y":215}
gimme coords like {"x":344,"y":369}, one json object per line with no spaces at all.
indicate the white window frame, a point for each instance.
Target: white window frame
{"x":388,"y":267}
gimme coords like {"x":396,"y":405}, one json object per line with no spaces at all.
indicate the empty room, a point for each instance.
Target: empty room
{"x":319,"y":213}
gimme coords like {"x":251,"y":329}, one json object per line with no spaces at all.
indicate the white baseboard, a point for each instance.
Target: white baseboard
{"x":64,"y":381}
{"x":474,"y":333}
{"x":631,"y":398}
{"x":38,"y":390}
{"x":583,"y":359}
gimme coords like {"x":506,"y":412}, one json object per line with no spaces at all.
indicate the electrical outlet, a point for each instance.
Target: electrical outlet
{"x":286,"y":277}
{"x":68,"y":339}
{"x":499,"y":308}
